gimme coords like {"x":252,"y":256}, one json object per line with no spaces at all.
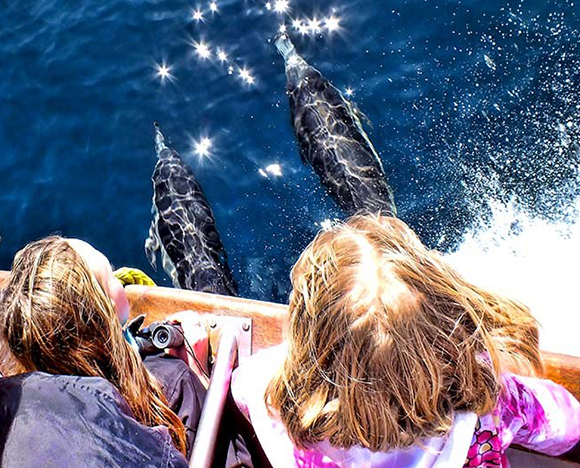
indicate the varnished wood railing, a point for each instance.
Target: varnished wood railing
{"x":158,"y":303}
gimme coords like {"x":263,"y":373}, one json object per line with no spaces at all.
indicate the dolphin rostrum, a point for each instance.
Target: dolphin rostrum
{"x":332,"y":140}
{"x":184,"y":229}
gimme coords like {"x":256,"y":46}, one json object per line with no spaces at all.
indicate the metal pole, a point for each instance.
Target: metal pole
{"x":213,"y":407}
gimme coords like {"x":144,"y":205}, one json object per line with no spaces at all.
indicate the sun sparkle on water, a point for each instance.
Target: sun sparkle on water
{"x":164,"y":71}
{"x":246,"y":75}
{"x":202,"y":50}
{"x":222,"y":56}
{"x":281,"y":6}
{"x":332,"y":23}
{"x":272,"y":169}
{"x":299,"y":26}
{"x":197,"y":15}
{"x":202,"y":148}
{"x":328,"y":224}
{"x":314,"y":25}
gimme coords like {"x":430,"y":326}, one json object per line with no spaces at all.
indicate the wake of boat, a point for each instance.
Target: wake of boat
{"x":533,"y":260}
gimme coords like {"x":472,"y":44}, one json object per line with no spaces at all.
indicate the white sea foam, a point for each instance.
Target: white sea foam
{"x":533,"y":260}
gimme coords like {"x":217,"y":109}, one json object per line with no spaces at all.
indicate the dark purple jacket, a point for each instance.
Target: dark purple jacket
{"x":65,"y":421}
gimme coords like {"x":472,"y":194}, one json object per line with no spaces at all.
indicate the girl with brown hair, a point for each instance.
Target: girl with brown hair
{"x":61,"y":313}
{"x":392,"y":359}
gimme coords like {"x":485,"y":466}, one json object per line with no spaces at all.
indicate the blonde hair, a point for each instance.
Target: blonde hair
{"x":386,"y":340}
{"x":56,"y":318}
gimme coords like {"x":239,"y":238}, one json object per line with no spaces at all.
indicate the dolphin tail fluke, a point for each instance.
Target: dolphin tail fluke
{"x":159,"y":139}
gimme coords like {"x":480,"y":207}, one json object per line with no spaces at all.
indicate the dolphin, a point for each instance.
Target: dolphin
{"x":184,"y":228}
{"x":332,"y":139}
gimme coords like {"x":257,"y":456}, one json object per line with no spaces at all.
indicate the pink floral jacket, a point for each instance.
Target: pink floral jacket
{"x":535,"y":413}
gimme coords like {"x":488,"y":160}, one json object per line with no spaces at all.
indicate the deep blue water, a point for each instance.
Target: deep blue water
{"x":470,"y":101}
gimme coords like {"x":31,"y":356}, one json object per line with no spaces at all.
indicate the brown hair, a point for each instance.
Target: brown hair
{"x":386,"y":340}
{"x":56,"y":318}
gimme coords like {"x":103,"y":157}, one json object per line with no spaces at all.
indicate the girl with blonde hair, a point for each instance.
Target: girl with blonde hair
{"x":392,"y":359}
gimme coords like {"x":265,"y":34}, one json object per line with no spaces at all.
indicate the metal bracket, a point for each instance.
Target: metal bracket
{"x":214,"y":325}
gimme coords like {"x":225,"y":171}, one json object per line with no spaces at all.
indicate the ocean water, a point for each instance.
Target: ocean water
{"x":474,"y":109}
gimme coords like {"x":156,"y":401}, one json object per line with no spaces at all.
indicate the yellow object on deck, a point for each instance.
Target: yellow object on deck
{"x":128,"y":275}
